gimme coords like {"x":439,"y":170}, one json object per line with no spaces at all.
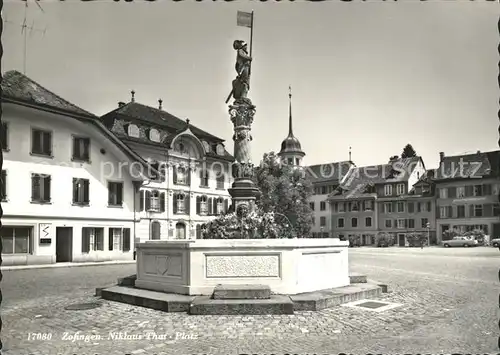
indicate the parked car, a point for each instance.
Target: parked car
{"x":460,"y":242}
{"x":495,"y":243}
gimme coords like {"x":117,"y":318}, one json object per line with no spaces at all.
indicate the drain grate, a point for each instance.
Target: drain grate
{"x":372,"y":304}
{"x":82,"y":306}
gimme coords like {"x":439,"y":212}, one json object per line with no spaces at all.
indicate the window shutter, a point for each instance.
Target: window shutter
{"x":198,"y":201}
{"x":86,"y":191}
{"x":214,"y":207}
{"x":47,"y":143}
{"x":187,"y":200}
{"x":86,"y":149}
{"x":210,"y":206}
{"x":471,"y":210}
{"x":226,"y":205}
{"x":111,"y":193}
{"x":35,"y":187}
{"x":174,"y":170}
{"x":487,"y":189}
{"x":148,"y":200}
{"x":36,"y":143}
{"x":75,"y":190}
{"x":76,"y":148}
{"x":119,"y":193}
{"x":429,"y":206}
{"x":110,"y":239}
{"x":452,"y":192}
{"x":175,"y":203}
{"x":454,"y":211}
{"x":469,"y":191}
{"x":162,"y":202}
{"x":411,"y":207}
{"x":419,"y":207}
{"x":126,"y":239}
{"x":141,"y":200}
{"x":4,"y":185}
{"x":488,"y":210}
{"x":46,"y":187}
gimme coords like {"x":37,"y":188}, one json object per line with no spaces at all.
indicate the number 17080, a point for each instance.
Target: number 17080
{"x":39,"y":336}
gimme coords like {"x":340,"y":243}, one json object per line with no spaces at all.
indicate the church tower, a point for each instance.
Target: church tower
{"x":291,"y":152}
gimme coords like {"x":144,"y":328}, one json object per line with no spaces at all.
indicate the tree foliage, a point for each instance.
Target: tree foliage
{"x":285,"y":190}
{"x":408,"y":152}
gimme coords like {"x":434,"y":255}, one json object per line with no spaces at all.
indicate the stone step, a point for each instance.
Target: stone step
{"x":241,"y":292}
{"x":358,"y":278}
{"x":276,"y":304}
{"x":167,"y":302}
{"x":316,"y":301}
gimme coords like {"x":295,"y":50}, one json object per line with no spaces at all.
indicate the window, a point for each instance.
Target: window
{"x":460,"y":191}
{"x":154,"y":135}
{"x":401,"y":223}
{"x":445,"y":212}
{"x":323,"y":190}
{"x":496,"y":210}
{"x":92,"y":239}
{"x":342,"y":207}
{"x":221,"y":179}
{"x":115,"y":238}
{"x":311,"y":204}
{"x":400,"y":206}
{"x":400,"y":189}
{"x":322,"y":221}
{"x":411,"y":207}
{"x":424,"y":221}
{"x":478,"y":190}
{"x":461,"y":211}
{"x":388,"y":223}
{"x":388,"y":190}
{"x":204,"y":177}
{"x":354,"y":222}
{"x":40,"y":188}
{"x":3,"y":189}
{"x":156,"y":171}
{"x":41,"y":142}
{"x":340,"y":223}
{"x":133,"y":131}
{"x":443,"y":193}
{"x":81,"y":149}
{"x":202,"y":205}
{"x":16,"y":240}
{"x":180,"y":175}
{"x":411,"y":223}
{"x":428,"y":206}
{"x":478,"y":210}
{"x":388,"y":207}
{"x":4,"y":136}
{"x":155,"y":201}
{"x":80,"y":191}
{"x":115,"y":193}
{"x":368,"y":221}
{"x":355,"y":206}
{"x":368,"y":205}
{"x":181,"y":203}
{"x":155,"y":230}
{"x":322,"y":206}
{"x":220,"y":205}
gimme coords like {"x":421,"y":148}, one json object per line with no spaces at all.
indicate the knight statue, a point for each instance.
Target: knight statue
{"x":241,"y":84}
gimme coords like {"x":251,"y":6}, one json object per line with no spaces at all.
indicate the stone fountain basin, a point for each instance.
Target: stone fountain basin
{"x":287,"y":266}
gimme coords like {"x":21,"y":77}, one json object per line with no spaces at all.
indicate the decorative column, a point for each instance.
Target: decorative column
{"x":243,"y":191}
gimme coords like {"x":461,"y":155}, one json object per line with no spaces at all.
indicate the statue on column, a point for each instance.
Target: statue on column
{"x":241,"y":85}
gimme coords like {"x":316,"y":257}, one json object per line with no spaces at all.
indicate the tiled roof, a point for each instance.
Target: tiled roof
{"x":331,"y":172}
{"x":19,"y":87}
{"x":466,"y":166}
{"x":361,"y":180}
{"x":159,"y":118}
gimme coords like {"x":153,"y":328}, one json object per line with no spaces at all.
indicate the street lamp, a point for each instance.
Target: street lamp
{"x":428,"y":225}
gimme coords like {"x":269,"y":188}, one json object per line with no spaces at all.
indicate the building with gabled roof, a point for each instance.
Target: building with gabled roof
{"x":69,"y":185}
{"x":467,"y":187}
{"x":195,"y":166}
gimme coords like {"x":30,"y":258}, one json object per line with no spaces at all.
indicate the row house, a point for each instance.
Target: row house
{"x":376,"y":199}
{"x":66,"y":194}
{"x":194,"y":166}
{"x":325,"y":178}
{"x":467,"y":193}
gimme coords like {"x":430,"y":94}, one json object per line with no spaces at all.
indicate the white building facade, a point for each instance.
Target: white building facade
{"x":69,"y":191}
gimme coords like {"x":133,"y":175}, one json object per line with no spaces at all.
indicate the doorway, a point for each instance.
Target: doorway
{"x":401,"y":239}
{"x":180,"y":231}
{"x":64,"y":244}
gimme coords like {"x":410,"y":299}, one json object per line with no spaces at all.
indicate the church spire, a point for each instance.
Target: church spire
{"x":290,"y":129}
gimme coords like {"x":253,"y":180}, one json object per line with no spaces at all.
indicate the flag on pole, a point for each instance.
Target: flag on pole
{"x":244,"y":19}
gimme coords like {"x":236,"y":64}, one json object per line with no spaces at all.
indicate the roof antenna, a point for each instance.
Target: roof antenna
{"x":160,"y":101}
{"x":350,"y":154}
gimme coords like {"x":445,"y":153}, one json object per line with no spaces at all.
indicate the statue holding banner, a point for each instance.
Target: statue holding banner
{"x":241,"y":85}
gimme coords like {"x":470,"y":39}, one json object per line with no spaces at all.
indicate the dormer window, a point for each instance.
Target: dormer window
{"x":154,"y":135}
{"x":133,"y":131}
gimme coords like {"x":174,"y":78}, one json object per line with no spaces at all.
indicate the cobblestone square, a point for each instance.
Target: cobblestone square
{"x":449,"y":303}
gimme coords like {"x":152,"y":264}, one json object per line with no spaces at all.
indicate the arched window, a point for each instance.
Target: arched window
{"x":180,"y":203}
{"x":220,"y":205}
{"x":204,"y":177}
{"x":154,"y":135}
{"x":155,"y":200}
{"x":133,"y":130}
{"x":202,"y":205}
{"x":180,"y":175}
{"x":155,"y":230}
{"x":180,"y":231}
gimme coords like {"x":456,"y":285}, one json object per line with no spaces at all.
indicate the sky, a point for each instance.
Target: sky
{"x":373,"y":76}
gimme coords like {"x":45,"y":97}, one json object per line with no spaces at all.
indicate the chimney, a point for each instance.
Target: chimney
{"x":121,"y":104}
{"x":478,"y":152}
{"x":133,"y":96}
{"x":441,"y":156}
{"x":160,"y":101}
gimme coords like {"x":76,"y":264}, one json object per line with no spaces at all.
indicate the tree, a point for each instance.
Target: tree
{"x":408,"y":152}
{"x":285,"y":190}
